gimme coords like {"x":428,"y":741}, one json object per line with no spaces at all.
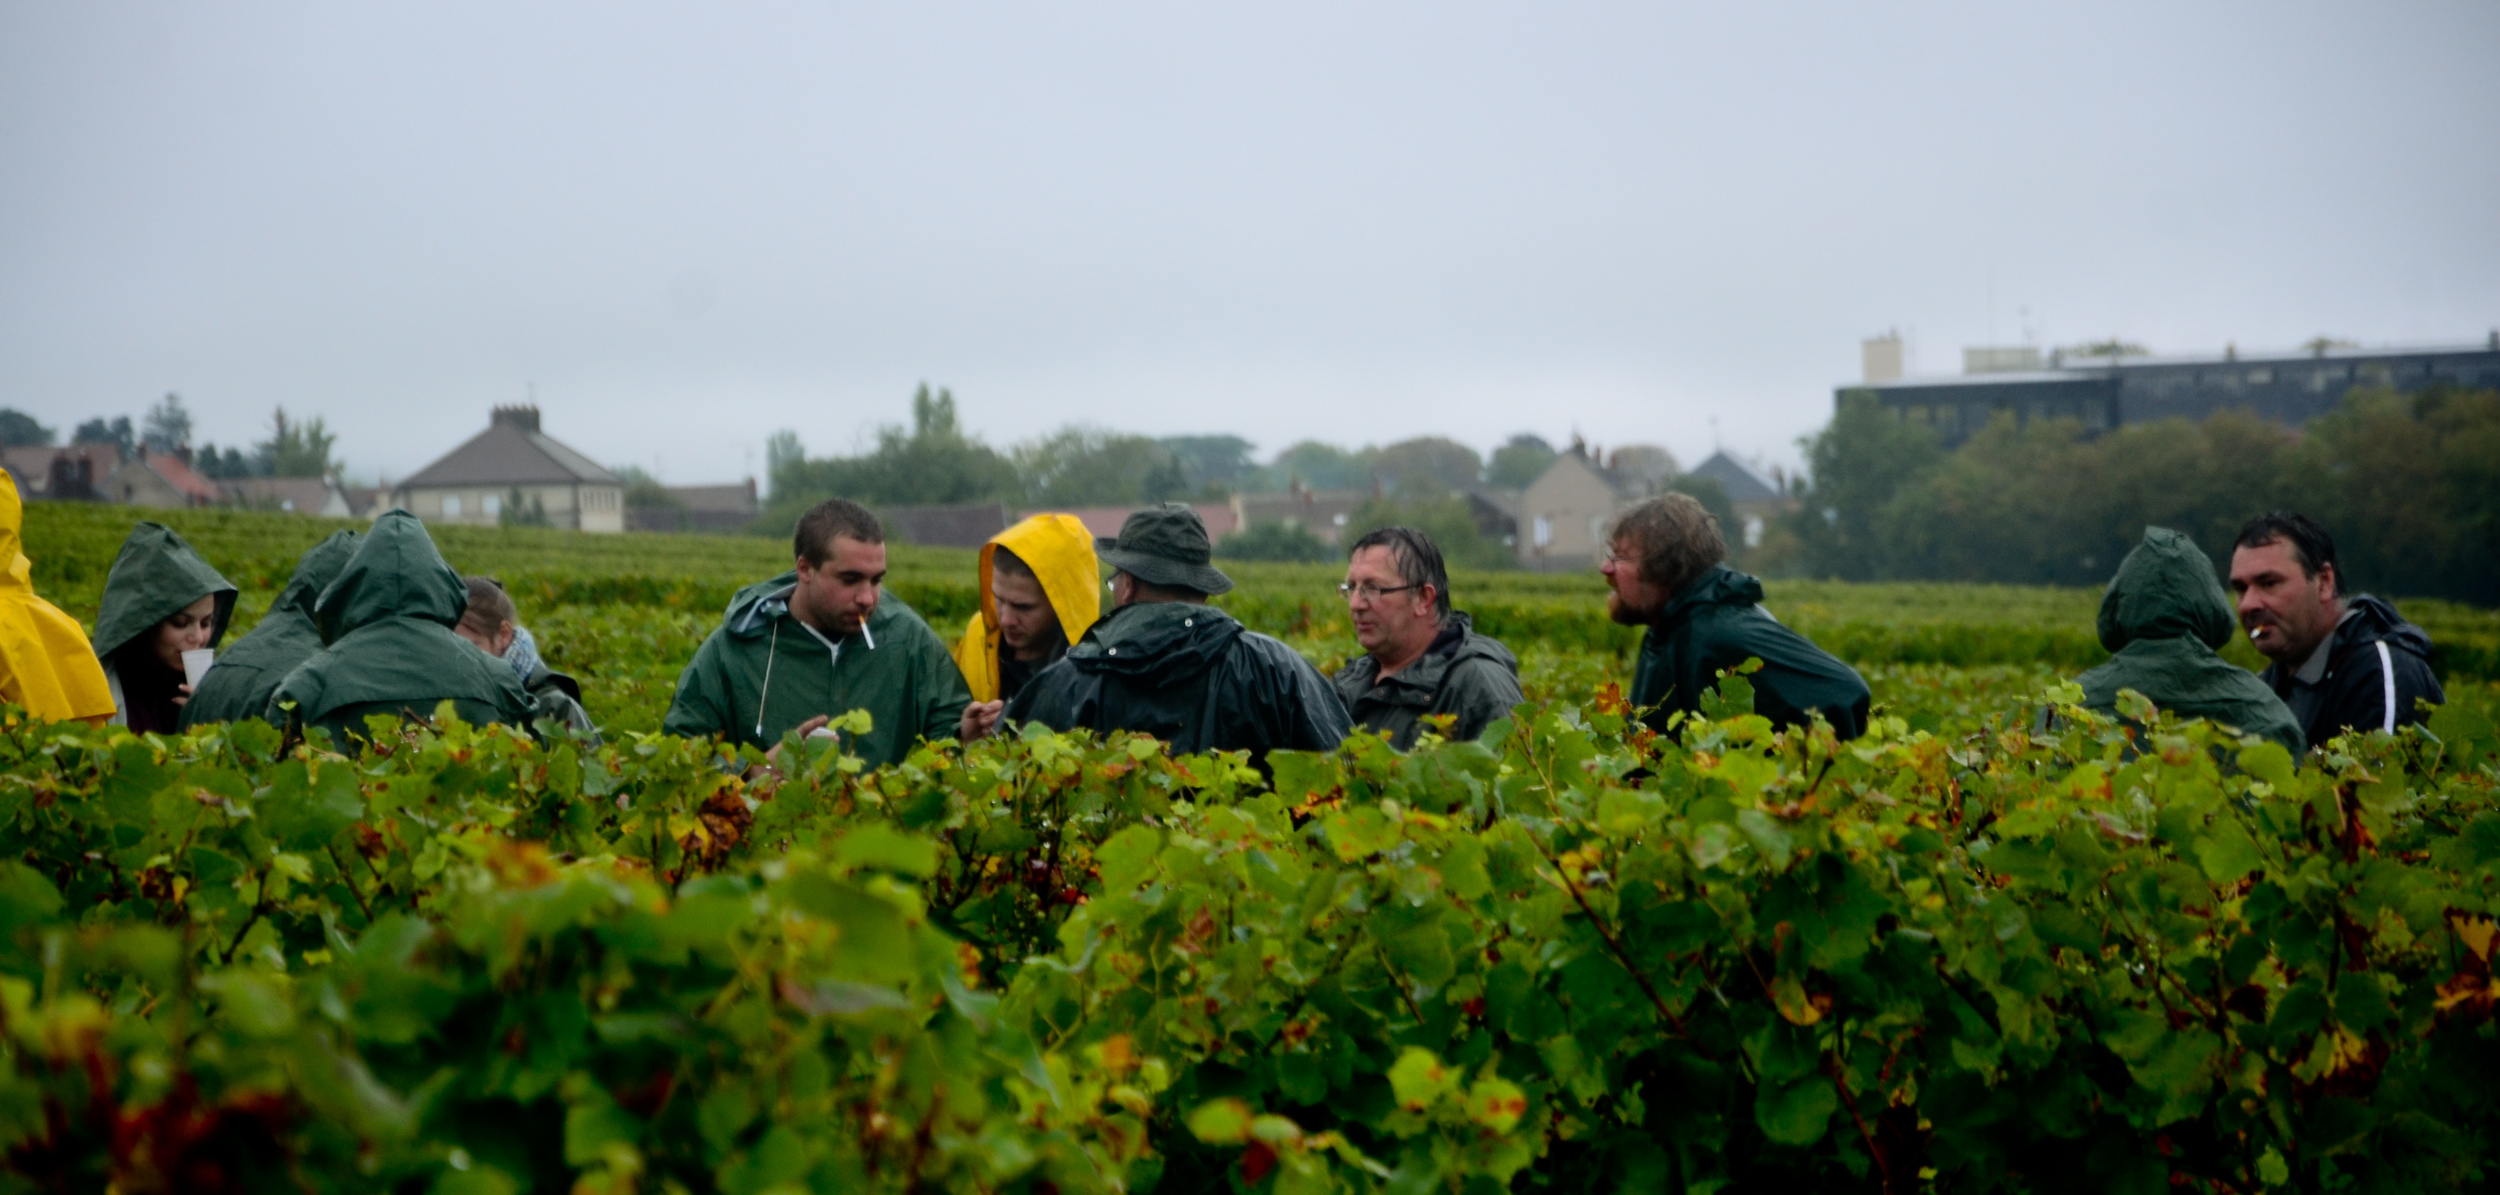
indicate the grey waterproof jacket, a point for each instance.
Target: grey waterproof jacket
{"x":1462,"y":673}
{"x":1191,"y":676}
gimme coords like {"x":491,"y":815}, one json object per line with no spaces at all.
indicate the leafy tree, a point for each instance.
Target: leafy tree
{"x":1428,"y":467}
{"x":1713,"y":498}
{"x":208,"y":462}
{"x":1450,"y":520}
{"x":1856,"y":463}
{"x":19,"y":430}
{"x":1272,"y":540}
{"x":1643,"y":468}
{"x":932,"y":461}
{"x":168,"y":426}
{"x":782,"y":451}
{"x":1210,"y":464}
{"x":296,"y":449}
{"x":1319,"y":466}
{"x":644,"y":492}
{"x":1088,"y":466}
{"x":117,"y":433}
{"x":1518,"y":463}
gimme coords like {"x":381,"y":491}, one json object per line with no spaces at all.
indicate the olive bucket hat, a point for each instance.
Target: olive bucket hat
{"x":1165,"y":545}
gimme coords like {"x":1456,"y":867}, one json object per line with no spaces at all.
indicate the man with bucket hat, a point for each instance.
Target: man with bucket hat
{"x":1166,"y":663}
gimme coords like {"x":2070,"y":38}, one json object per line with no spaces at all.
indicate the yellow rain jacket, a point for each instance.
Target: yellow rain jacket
{"x":46,"y":663}
{"x":1061,"y":552}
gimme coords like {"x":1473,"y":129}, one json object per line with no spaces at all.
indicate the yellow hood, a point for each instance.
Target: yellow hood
{"x":1061,"y":552}
{"x":46,"y":663}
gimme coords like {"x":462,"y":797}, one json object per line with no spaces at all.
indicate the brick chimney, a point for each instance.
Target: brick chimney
{"x":522,"y":417}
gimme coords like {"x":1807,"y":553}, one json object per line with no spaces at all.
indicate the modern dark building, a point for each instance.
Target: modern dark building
{"x":2103,"y":394}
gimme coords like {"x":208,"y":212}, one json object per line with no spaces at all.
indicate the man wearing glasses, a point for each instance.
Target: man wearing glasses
{"x":1166,"y":663}
{"x":1664,"y":572}
{"x":1421,"y":658}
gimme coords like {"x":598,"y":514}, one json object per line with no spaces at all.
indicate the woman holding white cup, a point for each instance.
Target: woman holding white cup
{"x":163,"y":612}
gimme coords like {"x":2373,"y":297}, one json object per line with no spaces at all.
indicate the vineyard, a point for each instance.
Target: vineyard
{"x":1961,"y":953}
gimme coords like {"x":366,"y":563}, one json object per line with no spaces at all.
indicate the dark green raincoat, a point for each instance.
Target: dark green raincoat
{"x":248,"y":673}
{"x":763,"y":672}
{"x":1717,"y":623}
{"x":2163,"y":615}
{"x":1462,"y":673}
{"x":154,"y":578}
{"x":387,"y":620}
{"x":1191,"y":676}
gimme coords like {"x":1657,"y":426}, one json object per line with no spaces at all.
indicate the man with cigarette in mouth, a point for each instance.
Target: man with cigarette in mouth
{"x":2341,"y":663}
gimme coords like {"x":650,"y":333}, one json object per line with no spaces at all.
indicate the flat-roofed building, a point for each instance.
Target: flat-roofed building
{"x":2105,"y":393}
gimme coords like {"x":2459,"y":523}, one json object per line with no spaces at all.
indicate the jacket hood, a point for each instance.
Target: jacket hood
{"x":1061,"y":553}
{"x":46,"y":663}
{"x":17,"y":573}
{"x":314,"y":571}
{"x":1156,"y":643}
{"x":395,"y":573}
{"x":2373,"y":620}
{"x":1721,"y":586}
{"x":2165,"y":589}
{"x":154,"y":577}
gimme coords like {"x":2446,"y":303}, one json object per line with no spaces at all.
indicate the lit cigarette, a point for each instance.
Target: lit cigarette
{"x":863,"y":633}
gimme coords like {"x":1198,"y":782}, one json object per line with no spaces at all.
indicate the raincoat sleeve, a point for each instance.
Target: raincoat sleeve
{"x":1050,"y":698}
{"x":1479,"y":691}
{"x":977,"y":658}
{"x":941,"y":690}
{"x":704,"y":705}
{"x":1301,"y":710}
{"x":47,"y":666}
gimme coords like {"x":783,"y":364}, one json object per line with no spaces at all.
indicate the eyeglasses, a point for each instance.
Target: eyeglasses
{"x":1370,"y":592}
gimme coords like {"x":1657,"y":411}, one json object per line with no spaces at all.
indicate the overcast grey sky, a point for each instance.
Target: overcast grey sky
{"x":689,"y":225}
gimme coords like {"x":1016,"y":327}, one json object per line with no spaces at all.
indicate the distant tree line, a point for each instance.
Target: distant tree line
{"x":294,"y":448}
{"x":2409,"y":485}
{"x":933,"y":460}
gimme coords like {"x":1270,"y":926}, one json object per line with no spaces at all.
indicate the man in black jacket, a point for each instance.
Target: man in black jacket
{"x":1420,"y":657}
{"x":2340,"y":663}
{"x":1168,"y":664}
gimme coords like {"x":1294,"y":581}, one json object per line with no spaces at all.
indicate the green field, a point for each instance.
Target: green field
{"x":1956,"y":954}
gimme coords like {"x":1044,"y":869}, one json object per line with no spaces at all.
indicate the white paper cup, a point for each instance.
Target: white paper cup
{"x":821,"y":732}
{"x":195,"y":665}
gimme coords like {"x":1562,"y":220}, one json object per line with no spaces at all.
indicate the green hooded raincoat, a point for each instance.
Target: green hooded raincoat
{"x":245,"y":676}
{"x":156,"y":575}
{"x":763,"y":672}
{"x":387,"y":620}
{"x":1717,"y":623}
{"x":2163,"y":615}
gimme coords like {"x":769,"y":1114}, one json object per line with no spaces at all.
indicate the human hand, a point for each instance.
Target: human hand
{"x":805,"y":729}
{"x":182,"y":695}
{"x":980,"y":718}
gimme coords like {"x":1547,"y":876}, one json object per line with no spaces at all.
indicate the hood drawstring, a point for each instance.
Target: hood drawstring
{"x":767,"y":695}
